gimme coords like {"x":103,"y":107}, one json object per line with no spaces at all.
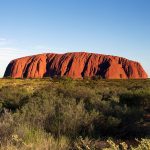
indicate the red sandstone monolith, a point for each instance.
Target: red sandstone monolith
{"x":75,"y":65}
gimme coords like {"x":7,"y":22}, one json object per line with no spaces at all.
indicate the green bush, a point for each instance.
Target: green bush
{"x":13,"y":98}
{"x":138,"y":98}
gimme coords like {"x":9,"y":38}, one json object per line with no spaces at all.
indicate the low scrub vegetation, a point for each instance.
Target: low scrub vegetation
{"x":61,"y":114}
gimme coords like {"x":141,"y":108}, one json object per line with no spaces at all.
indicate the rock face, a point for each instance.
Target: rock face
{"x":74,"y":65}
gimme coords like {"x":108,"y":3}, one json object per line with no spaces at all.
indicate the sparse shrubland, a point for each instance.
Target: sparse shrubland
{"x":74,"y":114}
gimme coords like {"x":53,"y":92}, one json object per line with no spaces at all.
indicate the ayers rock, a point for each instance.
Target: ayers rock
{"x":74,"y":65}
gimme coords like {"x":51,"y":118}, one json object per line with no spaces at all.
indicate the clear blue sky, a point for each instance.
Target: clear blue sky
{"x":116,"y":27}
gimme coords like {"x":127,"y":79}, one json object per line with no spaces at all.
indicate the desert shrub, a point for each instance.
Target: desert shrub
{"x":76,"y":92}
{"x":138,"y":98}
{"x":39,"y":105}
{"x":65,"y":78}
{"x":37,"y":138}
{"x":112,"y":122}
{"x":71,"y":112}
{"x":134,"y":105}
{"x":84,"y":144}
{"x":86,"y":78}
{"x":7,"y":126}
{"x":13,"y":98}
{"x":98,"y":77}
{"x":131,"y":123}
{"x":144,"y":144}
{"x":116,"y":146}
{"x":34,"y":139}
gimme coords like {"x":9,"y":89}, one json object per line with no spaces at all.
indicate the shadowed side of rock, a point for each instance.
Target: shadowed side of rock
{"x":75,"y":65}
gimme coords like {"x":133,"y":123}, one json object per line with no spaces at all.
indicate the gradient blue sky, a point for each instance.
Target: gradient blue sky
{"x":116,"y":27}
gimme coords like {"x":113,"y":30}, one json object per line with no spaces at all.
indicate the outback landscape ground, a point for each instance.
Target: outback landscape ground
{"x":63,"y":114}
{"x":75,"y":75}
